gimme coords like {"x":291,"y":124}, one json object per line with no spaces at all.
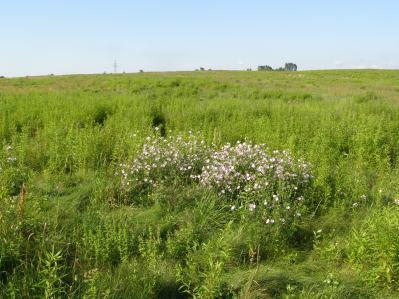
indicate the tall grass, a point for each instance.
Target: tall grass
{"x":66,"y":230}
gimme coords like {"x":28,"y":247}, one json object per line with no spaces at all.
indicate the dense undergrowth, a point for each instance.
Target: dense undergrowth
{"x":288,"y":189}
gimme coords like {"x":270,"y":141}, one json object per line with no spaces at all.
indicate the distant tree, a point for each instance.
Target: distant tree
{"x":291,"y":67}
{"x":202,"y":69}
{"x":249,"y":70}
{"x":209,"y":69}
{"x":141,"y":71}
{"x":2,"y":77}
{"x":265,"y":68}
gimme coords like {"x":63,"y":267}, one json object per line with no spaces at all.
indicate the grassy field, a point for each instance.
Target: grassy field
{"x":81,"y":217}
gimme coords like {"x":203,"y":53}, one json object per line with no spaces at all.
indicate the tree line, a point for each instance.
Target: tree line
{"x":291,"y":67}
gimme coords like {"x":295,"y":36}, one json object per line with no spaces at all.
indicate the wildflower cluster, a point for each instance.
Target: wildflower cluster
{"x":8,"y":156}
{"x":7,"y":159}
{"x":271,"y":184}
{"x":248,"y":168}
{"x":164,"y":160}
{"x":11,"y":174}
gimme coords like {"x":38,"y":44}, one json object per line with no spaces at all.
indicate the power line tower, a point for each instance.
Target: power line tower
{"x":115,"y":67}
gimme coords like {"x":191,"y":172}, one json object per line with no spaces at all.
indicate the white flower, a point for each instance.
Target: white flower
{"x":396,"y":201}
{"x":238,"y":171}
{"x":269,"y":221}
{"x":252,"y":207}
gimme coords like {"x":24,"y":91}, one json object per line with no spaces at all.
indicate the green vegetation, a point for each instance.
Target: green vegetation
{"x":288,"y":67}
{"x":72,"y":226}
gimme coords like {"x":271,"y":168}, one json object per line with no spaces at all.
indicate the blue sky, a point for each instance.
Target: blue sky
{"x":85,"y":36}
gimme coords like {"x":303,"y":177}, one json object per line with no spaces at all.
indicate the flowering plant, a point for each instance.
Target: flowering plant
{"x":272,"y":182}
{"x":245,"y":173}
{"x":163,"y":160}
{"x":12,"y":175}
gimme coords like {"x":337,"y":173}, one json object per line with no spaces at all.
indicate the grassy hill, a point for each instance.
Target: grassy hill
{"x":81,"y":217}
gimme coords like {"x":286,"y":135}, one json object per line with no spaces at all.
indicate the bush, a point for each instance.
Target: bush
{"x":245,"y":173}
{"x":162,"y":160}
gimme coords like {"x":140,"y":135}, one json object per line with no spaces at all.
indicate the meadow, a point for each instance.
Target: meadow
{"x":208,"y":184}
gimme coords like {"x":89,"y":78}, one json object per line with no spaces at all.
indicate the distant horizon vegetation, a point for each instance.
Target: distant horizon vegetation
{"x":202,"y":69}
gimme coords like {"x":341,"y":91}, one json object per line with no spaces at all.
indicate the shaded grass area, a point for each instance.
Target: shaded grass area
{"x":69,"y":234}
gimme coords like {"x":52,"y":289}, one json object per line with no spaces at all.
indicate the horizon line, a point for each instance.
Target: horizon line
{"x":195,"y":71}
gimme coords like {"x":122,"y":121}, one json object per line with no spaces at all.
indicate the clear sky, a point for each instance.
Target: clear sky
{"x":86,"y":36}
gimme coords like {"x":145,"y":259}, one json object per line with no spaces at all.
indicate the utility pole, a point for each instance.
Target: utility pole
{"x":115,"y":67}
